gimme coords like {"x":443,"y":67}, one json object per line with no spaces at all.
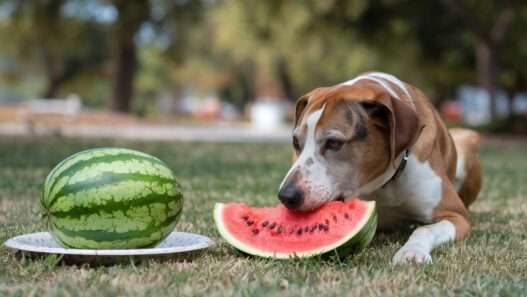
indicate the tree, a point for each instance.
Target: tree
{"x":286,"y":47}
{"x":489,"y":23}
{"x":169,"y":21}
{"x":131,"y":15}
{"x":43,"y":39}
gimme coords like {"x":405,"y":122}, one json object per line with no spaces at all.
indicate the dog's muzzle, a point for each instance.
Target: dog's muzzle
{"x":291,"y":196}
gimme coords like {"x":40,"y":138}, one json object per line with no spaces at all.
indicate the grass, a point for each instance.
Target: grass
{"x":492,"y":262}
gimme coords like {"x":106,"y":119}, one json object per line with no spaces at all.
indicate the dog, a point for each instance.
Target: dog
{"x":379,"y":138}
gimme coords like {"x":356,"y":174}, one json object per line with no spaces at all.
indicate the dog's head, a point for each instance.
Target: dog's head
{"x":345,"y":138}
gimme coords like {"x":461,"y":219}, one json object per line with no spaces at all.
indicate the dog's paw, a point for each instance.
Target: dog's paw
{"x":410,"y":254}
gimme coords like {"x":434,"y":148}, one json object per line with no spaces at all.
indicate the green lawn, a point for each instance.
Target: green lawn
{"x":492,"y":262}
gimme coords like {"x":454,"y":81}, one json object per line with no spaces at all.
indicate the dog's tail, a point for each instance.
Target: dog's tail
{"x":468,"y":168}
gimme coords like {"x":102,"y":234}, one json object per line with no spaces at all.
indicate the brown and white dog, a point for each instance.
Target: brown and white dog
{"x":380,"y":138}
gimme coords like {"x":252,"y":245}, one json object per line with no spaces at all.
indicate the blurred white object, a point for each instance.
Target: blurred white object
{"x":519,"y":104}
{"x":70,"y":106}
{"x":267,"y":114}
{"x":476,"y":104}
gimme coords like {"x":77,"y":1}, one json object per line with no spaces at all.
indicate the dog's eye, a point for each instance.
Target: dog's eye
{"x":296,"y":145}
{"x":333,"y":144}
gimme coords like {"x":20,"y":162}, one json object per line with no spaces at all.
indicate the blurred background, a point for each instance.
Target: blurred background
{"x":231,"y":70}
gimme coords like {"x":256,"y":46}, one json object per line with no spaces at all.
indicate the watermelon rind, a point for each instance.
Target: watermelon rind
{"x":111,"y":198}
{"x":357,"y":238}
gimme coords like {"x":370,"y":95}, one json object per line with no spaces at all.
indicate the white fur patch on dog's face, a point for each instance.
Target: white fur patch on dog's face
{"x":316,"y":184}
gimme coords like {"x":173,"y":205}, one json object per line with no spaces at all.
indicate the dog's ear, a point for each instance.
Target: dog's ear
{"x":398,"y":118}
{"x":300,"y":107}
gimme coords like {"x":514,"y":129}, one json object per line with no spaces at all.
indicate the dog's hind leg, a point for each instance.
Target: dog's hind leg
{"x":467,"y":181}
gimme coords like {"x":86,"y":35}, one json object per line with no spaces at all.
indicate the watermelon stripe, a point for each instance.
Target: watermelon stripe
{"x":108,"y":236}
{"x":107,"y":178}
{"x":82,"y":164}
{"x":65,"y":164}
{"x":110,"y":205}
{"x":118,"y":167}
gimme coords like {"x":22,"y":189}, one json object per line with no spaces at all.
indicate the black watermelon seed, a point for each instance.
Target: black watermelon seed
{"x":334,"y":218}
{"x":279,"y":230}
{"x":250,"y":222}
{"x":245,"y":218}
{"x":306,"y":229}
{"x":265,"y":223}
{"x":347,"y":216}
{"x":326,"y":221}
{"x":299,"y":231}
{"x":320,"y":227}
{"x":271,"y":227}
{"x":313,"y":228}
{"x":256,"y":231}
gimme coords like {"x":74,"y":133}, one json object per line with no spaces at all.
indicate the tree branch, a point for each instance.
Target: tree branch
{"x":502,"y":25}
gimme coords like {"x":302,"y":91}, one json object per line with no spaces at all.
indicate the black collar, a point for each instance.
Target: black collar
{"x":400,"y":169}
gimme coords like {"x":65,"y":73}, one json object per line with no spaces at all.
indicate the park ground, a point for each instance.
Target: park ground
{"x":492,"y":262}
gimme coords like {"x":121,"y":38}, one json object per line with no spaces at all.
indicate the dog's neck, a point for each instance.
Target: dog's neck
{"x":387,"y":177}
{"x":400,"y":168}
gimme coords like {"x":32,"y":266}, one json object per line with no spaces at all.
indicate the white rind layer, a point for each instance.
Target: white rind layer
{"x":218,"y":210}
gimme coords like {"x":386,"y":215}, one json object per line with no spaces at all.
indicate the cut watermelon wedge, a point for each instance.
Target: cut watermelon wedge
{"x":276,"y":232}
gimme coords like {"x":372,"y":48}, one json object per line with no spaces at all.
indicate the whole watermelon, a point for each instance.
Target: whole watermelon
{"x":111,"y":198}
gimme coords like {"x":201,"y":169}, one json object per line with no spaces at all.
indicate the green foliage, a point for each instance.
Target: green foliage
{"x":43,"y":40}
{"x":242,"y":49}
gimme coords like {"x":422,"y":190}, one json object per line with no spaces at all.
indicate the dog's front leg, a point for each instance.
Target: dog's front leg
{"x":451,"y":223}
{"x":422,"y":241}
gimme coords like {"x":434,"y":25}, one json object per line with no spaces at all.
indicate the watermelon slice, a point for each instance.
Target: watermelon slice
{"x":276,"y":232}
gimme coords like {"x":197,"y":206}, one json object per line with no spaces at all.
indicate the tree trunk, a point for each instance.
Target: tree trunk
{"x":53,"y":80}
{"x":52,"y":88}
{"x":285,"y":79}
{"x":131,"y":15}
{"x":267,"y":86}
{"x":124,"y":73}
{"x":487,"y":69}
{"x":510,"y":106}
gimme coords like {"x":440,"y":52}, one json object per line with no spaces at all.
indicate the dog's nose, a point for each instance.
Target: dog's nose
{"x":291,"y":196}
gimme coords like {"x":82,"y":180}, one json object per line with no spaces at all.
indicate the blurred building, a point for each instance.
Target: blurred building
{"x":475,"y":105}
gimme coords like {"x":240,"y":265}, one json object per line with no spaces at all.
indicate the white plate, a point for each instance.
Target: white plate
{"x":176,"y":242}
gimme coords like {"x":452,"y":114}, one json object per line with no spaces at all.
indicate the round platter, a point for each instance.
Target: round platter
{"x":176,"y":242}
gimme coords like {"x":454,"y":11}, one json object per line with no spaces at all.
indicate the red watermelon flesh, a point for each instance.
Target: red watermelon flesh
{"x":278,"y":232}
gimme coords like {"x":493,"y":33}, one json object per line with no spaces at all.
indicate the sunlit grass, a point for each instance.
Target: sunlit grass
{"x":492,"y":262}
